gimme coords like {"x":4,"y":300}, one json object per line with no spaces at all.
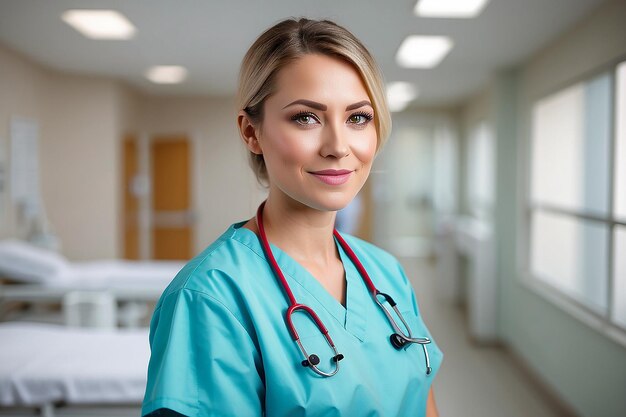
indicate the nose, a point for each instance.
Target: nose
{"x":334,"y":141}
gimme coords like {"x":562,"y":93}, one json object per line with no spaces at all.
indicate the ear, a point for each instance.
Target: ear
{"x":248,"y":133}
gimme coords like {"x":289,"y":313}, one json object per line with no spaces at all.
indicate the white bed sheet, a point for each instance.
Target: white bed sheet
{"x":118,"y":273}
{"x":25,"y":263}
{"x":43,"y":364}
{"x":134,"y":280}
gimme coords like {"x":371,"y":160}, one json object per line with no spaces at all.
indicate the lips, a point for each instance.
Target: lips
{"x":333,"y":176}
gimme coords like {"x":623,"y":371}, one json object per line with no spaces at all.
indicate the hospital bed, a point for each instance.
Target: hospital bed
{"x":57,"y":371}
{"x":35,"y":275}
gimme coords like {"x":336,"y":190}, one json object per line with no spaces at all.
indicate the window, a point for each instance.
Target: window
{"x":620,"y":144}
{"x":618,"y":313}
{"x":576,"y":212}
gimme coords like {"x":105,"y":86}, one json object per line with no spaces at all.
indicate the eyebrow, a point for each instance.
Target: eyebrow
{"x":323,"y":107}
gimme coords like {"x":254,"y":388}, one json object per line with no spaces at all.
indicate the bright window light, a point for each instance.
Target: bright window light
{"x":423,"y":51}
{"x":166,"y":74}
{"x":450,"y":8}
{"x":400,"y":94}
{"x":100,"y":24}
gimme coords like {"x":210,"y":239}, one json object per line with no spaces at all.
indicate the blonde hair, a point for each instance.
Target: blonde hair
{"x":289,"y":40}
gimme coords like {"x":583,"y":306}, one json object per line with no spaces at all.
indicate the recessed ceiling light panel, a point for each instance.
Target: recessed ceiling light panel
{"x":400,"y":94}
{"x":100,"y":24}
{"x":450,"y":8}
{"x":166,"y":74}
{"x":423,"y":51}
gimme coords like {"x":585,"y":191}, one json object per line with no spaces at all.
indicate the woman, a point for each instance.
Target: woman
{"x":312,"y":114}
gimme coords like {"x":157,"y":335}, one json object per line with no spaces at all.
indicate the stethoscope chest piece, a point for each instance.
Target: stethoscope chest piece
{"x":397,"y":341}
{"x":312,"y":360}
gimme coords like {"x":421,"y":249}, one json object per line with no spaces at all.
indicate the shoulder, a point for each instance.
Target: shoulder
{"x":220,"y":270}
{"x":215,"y":286}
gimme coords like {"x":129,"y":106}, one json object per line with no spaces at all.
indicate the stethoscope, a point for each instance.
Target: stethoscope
{"x":398,"y":340}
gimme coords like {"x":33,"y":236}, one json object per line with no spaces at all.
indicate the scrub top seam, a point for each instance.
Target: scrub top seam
{"x":204,"y":258}
{"x":262,"y":256}
{"x":183,"y":285}
{"x":216,"y":300}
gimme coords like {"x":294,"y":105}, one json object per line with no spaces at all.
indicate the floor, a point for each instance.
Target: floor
{"x":473,"y":381}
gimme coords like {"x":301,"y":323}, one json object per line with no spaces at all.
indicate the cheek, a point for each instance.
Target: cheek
{"x":288,"y":146}
{"x":365,"y":147}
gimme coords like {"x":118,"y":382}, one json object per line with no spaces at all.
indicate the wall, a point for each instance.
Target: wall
{"x":80,"y":120}
{"x":20,"y":86}
{"x":583,"y":367}
{"x":403,"y":180}
{"x":224,"y":188}
{"x":479,"y":108}
{"x":80,"y":164}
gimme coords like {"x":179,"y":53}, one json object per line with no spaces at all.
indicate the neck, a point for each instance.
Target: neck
{"x":306,"y":234}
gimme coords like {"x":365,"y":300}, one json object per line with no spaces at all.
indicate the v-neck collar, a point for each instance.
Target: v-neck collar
{"x":352,"y":317}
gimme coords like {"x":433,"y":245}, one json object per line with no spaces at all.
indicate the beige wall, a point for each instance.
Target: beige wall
{"x":80,"y":164}
{"x":225,"y":190}
{"x":20,"y":89}
{"x":82,"y":121}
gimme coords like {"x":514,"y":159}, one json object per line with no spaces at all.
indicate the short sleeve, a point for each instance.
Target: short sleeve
{"x":203,"y":361}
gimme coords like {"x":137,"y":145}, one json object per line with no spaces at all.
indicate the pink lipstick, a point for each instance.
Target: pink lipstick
{"x":333,"y":176}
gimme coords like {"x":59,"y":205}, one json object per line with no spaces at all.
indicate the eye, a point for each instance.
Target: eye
{"x":304,"y":118}
{"x":361,"y":118}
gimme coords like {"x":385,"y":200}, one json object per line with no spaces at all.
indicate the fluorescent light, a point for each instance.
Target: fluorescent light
{"x":100,"y":24}
{"x":400,"y":94}
{"x":166,"y":74}
{"x":450,"y":8}
{"x":397,"y":107}
{"x":423,"y":51}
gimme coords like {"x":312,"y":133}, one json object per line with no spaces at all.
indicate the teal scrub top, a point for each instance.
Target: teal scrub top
{"x":220,"y":345}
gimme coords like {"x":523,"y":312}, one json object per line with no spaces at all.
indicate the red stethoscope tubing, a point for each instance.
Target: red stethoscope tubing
{"x":293,"y":304}
{"x":398,"y":339}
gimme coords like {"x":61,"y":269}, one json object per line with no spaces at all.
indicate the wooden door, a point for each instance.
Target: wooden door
{"x":172,"y":217}
{"x":131,"y":199}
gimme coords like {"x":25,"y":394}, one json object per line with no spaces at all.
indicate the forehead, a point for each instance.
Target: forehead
{"x":320,"y":77}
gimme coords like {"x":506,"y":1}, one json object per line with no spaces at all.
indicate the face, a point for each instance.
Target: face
{"x":318,"y":136}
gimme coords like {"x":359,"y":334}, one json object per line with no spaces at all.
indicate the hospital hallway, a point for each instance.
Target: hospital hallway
{"x":473,"y":381}
{"x":482,"y":143}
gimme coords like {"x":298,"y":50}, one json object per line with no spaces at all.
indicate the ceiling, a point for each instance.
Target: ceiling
{"x":210,"y":37}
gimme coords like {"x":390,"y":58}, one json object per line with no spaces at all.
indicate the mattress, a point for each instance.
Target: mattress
{"x":45,"y":363}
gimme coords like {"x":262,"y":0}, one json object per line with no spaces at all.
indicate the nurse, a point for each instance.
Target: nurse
{"x":312,"y":114}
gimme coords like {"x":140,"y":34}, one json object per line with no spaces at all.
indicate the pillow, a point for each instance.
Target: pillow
{"x":24,"y":262}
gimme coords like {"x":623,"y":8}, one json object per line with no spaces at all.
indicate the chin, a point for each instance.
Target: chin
{"x":319,"y":199}
{"x":329,"y":201}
